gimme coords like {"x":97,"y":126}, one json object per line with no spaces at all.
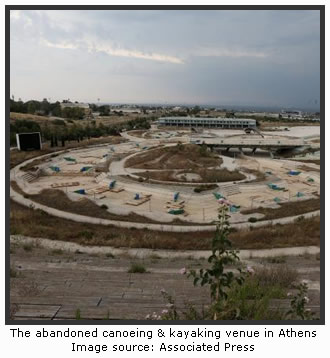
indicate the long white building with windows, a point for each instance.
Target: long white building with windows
{"x":228,"y":123}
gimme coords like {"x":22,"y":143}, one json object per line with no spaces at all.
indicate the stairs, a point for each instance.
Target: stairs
{"x":29,"y":177}
{"x":101,"y":177}
{"x":231,"y":189}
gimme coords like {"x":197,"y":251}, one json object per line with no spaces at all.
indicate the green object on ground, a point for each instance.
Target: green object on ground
{"x":218,"y":196}
{"x":176,"y":211}
{"x":69,"y":159}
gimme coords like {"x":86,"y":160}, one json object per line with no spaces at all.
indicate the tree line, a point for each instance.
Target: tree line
{"x":46,"y":108}
{"x":58,"y":132}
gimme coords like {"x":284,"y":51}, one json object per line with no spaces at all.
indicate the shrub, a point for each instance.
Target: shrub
{"x":86,"y":234}
{"x":78,"y":314}
{"x":137,"y":268}
{"x":13,"y":273}
{"x":201,"y":188}
{"x":57,"y":252}
{"x":298,"y":303}
{"x":28,"y":247}
{"x":281,"y":275}
{"x":276,"y":260}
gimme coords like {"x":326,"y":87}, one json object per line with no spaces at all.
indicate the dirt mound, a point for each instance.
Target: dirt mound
{"x":189,"y":156}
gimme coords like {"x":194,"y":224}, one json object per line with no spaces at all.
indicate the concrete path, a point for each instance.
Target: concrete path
{"x":157,"y":227}
{"x":147,"y":253}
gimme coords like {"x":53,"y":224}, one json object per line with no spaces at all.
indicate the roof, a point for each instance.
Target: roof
{"x":209,"y":119}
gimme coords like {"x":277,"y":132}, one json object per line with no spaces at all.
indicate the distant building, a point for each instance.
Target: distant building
{"x":258,"y":114}
{"x":292,"y":114}
{"x":228,"y":123}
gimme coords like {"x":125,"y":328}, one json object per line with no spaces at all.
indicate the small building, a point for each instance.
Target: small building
{"x":227,"y":123}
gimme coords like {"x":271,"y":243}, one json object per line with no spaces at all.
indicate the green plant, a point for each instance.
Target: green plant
{"x":219,"y":280}
{"x":110,"y":255}
{"x":78,"y":314}
{"x":137,"y":268}
{"x":276,"y":260}
{"x":86,"y":234}
{"x":13,"y":273}
{"x":298,"y":304}
{"x":28,"y":247}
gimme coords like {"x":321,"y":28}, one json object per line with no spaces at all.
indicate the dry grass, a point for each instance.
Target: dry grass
{"x":307,"y":233}
{"x":206,"y":175}
{"x":281,"y":275}
{"x":314,"y":161}
{"x":286,"y":209}
{"x":57,"y":199}
{"x":36,"y":223}
{"x":305,"y":168}
{"x":17,"y":157}
{"x":189,"y":156}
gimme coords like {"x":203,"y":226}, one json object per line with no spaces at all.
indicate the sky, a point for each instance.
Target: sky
{"x":246,"y":58}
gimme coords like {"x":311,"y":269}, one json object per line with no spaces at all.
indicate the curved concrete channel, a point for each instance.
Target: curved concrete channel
{"x":149,"y":253}
{"x":150,"y":226}
{"x":19,"y":198}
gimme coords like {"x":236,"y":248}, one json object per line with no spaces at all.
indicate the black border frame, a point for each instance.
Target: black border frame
{"x":320,"y":8}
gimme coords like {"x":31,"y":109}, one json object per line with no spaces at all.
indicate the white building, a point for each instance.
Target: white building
{"x":207,"y":122}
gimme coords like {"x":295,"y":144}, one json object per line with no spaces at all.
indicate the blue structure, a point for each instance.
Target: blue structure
{"x":55,"y":169}
{"x":84,"y":169}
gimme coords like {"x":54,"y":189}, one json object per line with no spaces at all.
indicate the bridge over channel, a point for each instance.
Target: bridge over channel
{"x":270,"y":144}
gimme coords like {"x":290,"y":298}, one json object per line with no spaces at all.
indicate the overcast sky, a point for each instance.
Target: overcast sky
{"x":255,"y":58}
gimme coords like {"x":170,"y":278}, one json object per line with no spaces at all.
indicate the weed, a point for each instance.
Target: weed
{"x":137,"y":268}
{"x":86,"y":234}
{"x":13,"y":273}
{"x":298,"y":304}
{"x":28,"y":247}
{"x":281,"y":275}
{"x":154,"y":257}
{"x":299,"y":219}
{"x":276,"y":260}
{"x":57,"y":252}
{"x":78,"y":314}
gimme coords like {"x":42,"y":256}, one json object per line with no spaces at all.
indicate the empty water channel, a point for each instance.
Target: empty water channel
{"x":200,"y":209}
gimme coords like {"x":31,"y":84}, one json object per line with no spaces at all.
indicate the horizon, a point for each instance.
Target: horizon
{"x":264,"y":59}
